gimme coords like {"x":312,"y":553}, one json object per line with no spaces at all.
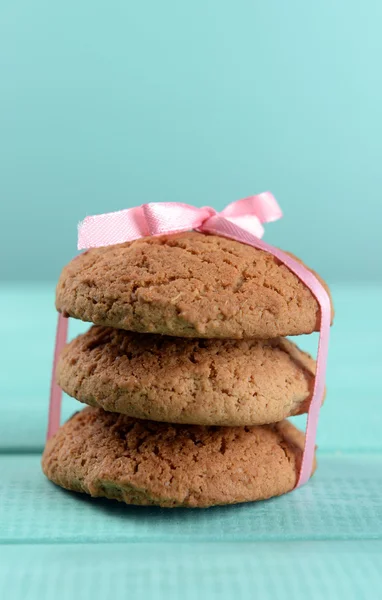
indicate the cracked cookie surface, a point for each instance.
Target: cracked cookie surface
{"x":150,"y":463}
{"x":180,"y":380}
{"x":187,"y":285}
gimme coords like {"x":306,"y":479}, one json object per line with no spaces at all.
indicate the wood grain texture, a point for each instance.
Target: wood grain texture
{"x":215,"y":571}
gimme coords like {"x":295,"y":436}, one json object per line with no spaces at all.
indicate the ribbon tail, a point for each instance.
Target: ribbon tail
{"x":55,"y":399}
{"x":112,"y":228}
{"x":317,"y":397}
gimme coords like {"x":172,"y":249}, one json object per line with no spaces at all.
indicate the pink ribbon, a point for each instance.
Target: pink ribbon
{"x":241,"y":221}
{"x":171,"y":217}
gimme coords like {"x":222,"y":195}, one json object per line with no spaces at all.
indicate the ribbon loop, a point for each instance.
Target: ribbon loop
{"x":264,"y":206}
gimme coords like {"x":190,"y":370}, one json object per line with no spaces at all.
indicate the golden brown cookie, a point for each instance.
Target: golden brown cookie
{"x":187,"y":285}
{"x":194,"y":381}
{"x":150,"y":463}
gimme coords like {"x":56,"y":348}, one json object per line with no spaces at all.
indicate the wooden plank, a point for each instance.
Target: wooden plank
{"x":342,"y":502}
{"x":270,"y":571}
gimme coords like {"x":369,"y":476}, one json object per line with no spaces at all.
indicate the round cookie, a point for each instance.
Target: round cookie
{"x":194,"y":381}
{"x":187,"y":285}
{"x":149,"y":463}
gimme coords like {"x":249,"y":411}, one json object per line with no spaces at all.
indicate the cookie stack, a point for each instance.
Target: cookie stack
{"x":187,"y":373}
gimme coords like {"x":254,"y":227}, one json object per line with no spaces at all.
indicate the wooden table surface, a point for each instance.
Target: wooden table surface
{"x":321,"y":541}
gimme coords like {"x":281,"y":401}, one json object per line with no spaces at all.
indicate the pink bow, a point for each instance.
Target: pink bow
{"x":159,"y":218}
{"x":241,"y":221}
